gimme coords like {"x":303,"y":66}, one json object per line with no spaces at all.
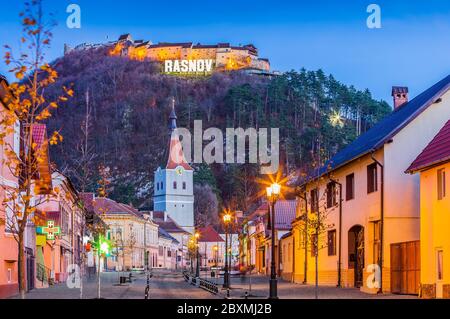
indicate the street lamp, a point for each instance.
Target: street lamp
{"x":273,"y":192}
{"x":191,"y":242}
{"x":197,"y":268}
{"x":226,"y":275}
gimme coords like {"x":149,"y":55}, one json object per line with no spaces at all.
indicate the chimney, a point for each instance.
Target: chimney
{"x":400,"y":95}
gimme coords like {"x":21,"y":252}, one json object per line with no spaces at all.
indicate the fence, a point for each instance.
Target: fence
{"x":203,"y":283}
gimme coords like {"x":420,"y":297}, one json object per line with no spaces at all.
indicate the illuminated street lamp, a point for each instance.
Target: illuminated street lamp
{"x":226,"y":275}
{"x":273,"y":193}
{"x":197,"y":268}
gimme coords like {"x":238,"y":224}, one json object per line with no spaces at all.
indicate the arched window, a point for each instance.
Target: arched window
{"x":184,"y":185}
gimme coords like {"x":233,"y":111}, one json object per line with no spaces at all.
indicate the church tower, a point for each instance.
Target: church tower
{"x":174,"y":184}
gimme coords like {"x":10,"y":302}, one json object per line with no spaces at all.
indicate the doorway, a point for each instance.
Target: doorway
{"x":356,"y":253}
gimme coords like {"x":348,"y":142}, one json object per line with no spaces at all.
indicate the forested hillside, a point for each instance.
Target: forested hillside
{"x":118,"y":118}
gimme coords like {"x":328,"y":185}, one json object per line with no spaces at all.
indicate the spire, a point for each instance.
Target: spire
{"x":176,"y":155}
{"x":172,"y":117}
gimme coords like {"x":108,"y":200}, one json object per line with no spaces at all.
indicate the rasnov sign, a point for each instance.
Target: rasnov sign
{"x":188,"y":66}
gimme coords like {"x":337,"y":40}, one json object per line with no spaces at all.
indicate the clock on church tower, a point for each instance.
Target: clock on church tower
{"x":174,"y":184}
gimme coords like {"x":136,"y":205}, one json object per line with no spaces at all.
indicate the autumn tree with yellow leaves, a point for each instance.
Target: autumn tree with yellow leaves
{"x":27,"y":110}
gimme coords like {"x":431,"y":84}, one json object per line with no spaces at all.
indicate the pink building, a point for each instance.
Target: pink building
{"x":9,"y":284}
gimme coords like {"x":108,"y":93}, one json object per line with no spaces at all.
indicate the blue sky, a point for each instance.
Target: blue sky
{"x":412,"y":48}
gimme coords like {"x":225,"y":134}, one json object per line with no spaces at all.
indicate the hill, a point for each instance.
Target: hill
{"x":118,"y":117}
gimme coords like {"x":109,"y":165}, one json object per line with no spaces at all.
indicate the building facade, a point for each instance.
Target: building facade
{"x":371,"y":206}
{"x":433,"y":165}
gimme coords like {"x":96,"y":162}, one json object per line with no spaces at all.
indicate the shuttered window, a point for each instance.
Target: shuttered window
{"x":441,"y":184}
{"x":350,"y":187}
{"x":372,"y":178}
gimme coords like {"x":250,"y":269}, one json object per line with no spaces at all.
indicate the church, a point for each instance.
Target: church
{"x":174,"y":184}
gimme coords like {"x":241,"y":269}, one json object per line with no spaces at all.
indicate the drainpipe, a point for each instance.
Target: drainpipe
{"x":339,"y":284}
{"x":293,"y":258}
{"x":305,"y":279}
{"x":381,"y":220}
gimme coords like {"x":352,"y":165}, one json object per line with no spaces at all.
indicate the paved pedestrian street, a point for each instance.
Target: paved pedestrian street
{"x":171,"y":285}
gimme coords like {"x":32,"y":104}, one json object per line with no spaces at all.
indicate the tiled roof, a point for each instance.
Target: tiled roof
{"x":38,"y":134}
{"x":438,"y":151}
{"x":285,"y":211}
{"x":382,"y":132}
{"x":208,"y":234}
{"x":107,"y":206}
{"x":163,"y":233}
{"x":168,"y":224}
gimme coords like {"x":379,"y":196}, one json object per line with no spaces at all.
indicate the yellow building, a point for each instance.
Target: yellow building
{"x":369,"y":206}
{"x":433,"y":164}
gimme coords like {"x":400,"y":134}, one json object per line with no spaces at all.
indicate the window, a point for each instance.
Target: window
{"x":314,"y":200}
{"x":314,"y":242}
{"x":331,"y":195}
{"x":157,"y":186}
{"x":372,"y":178}
{"x":440,"y":265}
{"x":169,"y":253}
{"x":9,"y":276}
{"x":441,"y":184}
{"x":161,"y":251}
{"x":174,"y":185}
{"x":184,"y":185}
{"x":376,"y":242}
{"x":350,"y":187}
{"x":332,"y":243}
{"x":162,"y":185}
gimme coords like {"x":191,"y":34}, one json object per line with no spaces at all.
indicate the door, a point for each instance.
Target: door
{"x":30,"y":269}
{"x":405,"y":268}
{"x":356,"y":253}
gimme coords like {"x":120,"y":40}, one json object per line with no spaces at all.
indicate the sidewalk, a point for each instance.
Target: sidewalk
{"x":109,"y":289}
{"x":287,"y":290}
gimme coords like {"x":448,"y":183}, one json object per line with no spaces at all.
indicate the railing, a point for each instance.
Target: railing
{"x":203,"y":283}
{"x":43,"y":274}
{"x":209,"y":286}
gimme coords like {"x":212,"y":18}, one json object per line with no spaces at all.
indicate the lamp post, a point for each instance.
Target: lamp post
{"x":273,"y":192}
{"x":197,"y":255}
{"x":226,"y":275}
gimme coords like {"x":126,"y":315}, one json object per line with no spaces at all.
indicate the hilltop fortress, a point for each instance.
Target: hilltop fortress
{"x":223,"y":56}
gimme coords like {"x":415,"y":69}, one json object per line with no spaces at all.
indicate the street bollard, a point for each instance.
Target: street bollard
{"x":228,"y":293}
{"x":246,"y":295}
{"x":147,"y":289}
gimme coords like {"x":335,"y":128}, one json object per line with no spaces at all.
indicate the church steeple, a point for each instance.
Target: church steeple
{"x":172,"y":118}
{"x":176,"y":155}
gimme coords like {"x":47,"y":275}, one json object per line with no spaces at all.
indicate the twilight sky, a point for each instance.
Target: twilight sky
{"x":412,"y":48}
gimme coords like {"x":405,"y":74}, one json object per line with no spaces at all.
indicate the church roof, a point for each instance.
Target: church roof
{"x":176,"y":155}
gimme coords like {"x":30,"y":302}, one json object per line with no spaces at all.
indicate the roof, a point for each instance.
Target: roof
{"x":176,"y":154}
{"x":438,"y":151}
{"x":106,"y":206}
{"x":163,"y":233}
{"x":285,"y":212}
{"x":208,"y":234}
{"x":387,"y":128}
{"x":167,"y":223}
